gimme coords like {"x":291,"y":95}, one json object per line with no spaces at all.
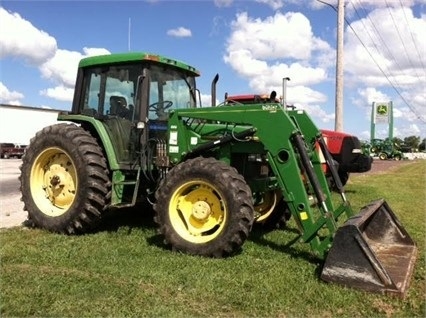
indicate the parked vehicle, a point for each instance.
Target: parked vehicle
{"x":385,"y":149}
{"x":10,"y":150}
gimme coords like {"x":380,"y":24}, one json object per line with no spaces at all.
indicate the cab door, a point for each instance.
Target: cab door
{"x":110,"y":97}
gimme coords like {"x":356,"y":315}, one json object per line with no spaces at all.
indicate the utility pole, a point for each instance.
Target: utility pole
{"x":339,"y":66}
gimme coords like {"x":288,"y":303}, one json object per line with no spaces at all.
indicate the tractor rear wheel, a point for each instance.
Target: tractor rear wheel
{"x":272,"y":211}
{"x":204,"y":207}
{"x":64,"y":180}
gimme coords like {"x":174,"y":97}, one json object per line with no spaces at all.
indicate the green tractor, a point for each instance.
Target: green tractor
{"x":137,"y":133}
{"x":386,"y":149}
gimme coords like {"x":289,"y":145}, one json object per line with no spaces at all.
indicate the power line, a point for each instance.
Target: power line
{"x":384,"y":74}
{"x":375,"y":61}
{"x":412,"y":37}
{"x":373,"y":25}
{"x":402,"y":41}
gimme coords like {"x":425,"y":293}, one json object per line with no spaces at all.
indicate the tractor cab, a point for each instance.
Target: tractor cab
{"x":132,"y":92}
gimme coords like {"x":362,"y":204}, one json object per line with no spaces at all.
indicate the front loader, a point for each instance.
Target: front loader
{"x":345,"y":149}
{"x":136,"y":135}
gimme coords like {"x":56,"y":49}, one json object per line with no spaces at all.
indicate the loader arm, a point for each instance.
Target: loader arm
{"x":290,"y":155}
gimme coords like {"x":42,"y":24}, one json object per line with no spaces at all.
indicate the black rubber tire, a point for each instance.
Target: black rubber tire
{"x":221,"y":191}
{"x":278,"y":219}
{"x":344,"y":177}
{"x":64,"y":179}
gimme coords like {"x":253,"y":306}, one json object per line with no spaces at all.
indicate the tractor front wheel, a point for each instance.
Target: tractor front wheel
{"x":383,"y":156}
{"x":64,"y":180}
{"x":204,"y":207}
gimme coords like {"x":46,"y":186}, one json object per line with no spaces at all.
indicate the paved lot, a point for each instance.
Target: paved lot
{"x":11,"y":207}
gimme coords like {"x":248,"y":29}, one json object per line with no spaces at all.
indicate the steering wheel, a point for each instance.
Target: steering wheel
{"x":156,"y":106}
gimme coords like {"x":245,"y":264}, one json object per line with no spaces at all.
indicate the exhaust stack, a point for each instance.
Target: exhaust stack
{"x":213,"y":89}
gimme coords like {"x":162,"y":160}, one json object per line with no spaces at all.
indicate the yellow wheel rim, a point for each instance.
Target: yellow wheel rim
{"x":266,"y":205}
{"x":197,"y":212}
{"x":53,"y":182}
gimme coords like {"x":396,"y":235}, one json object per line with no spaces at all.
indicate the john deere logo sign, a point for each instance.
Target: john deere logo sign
{"x":381,"y":115}
{"x":382,"y":109}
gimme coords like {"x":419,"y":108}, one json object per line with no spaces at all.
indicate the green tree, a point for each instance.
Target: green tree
{"x":412,"y":142}
{"x":397,"y":141}
{"x":422,"y":146}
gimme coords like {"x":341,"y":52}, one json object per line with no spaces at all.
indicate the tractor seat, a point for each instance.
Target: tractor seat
{"x":118,"y":107}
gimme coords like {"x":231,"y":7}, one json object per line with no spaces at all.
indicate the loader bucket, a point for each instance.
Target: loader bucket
{"x":372,"y":251}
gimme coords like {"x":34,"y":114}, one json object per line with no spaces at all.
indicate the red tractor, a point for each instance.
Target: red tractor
{"x":345,"y":149}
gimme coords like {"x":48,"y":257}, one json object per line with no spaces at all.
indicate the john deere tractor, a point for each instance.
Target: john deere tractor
{"x":136,"y":132}
{"x":386,"y":149}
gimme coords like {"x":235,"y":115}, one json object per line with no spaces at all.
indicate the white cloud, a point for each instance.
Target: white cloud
{"x":180,"y":32}
{"x":283,"y":45}
{"x":10,"y":97}
{"x":300,"y":95}
{"x":367,"y":5}
{"x":206,"y":100}
{"x":19,"y":38}
{"x":93,"y":51}
{"x":318,"y":114}
{"x":277,"y":37}
{"x":393,"y":49}
{"x":391,"y":55}
{"x":39,"y":49}
{"x":61,"y":93}
{"x":62,"y":69}
{"x":223,"y":3}
{"x":365,"y":98}
{"x":245,"y":64}
{"x":274,"y":4}
{"x":370,"y":95}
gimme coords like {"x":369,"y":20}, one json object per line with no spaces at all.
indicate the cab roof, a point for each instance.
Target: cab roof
{"x":132,"y":57}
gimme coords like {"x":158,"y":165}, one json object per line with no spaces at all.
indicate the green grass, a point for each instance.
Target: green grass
{"x":123,"y":270}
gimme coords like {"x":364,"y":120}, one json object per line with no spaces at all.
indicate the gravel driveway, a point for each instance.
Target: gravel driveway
{"x":380,"y":166}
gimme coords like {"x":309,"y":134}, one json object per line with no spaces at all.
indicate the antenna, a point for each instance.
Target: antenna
{"x":128,"y":35}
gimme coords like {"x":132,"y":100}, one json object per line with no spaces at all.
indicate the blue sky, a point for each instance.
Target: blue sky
{"x":252,"y":44}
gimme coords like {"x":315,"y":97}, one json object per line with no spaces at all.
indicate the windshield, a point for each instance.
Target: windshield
{"x":169,"y":89}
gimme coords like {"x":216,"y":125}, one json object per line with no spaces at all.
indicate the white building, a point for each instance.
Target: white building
{"x":18,"y":124}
